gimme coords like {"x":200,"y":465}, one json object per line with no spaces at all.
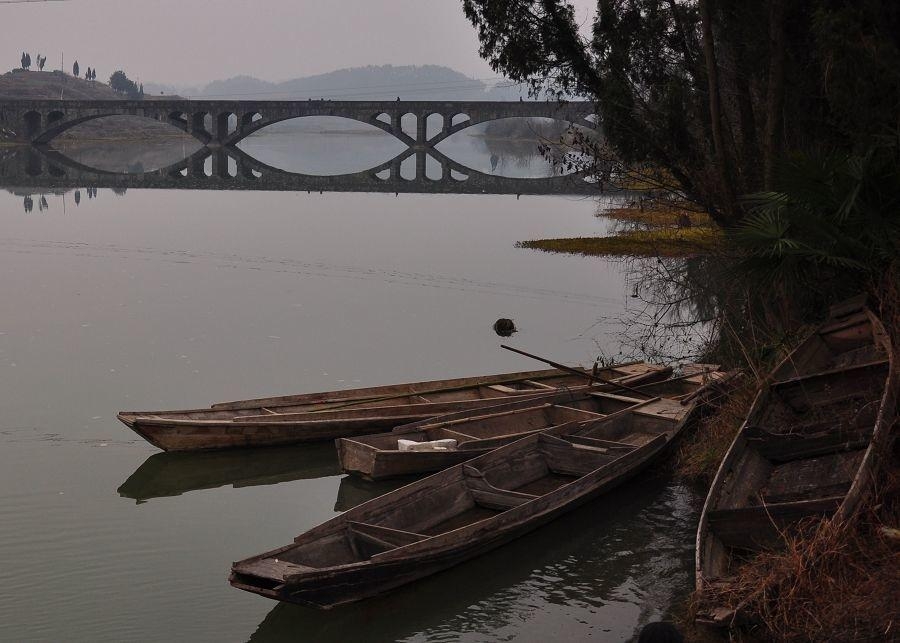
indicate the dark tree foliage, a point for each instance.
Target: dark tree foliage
{"x":75,"y":70}
{"x":124,"y":85}
{"x":713,"y":92}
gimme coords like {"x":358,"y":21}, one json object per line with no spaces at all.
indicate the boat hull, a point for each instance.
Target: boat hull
{"x":282,"y":574}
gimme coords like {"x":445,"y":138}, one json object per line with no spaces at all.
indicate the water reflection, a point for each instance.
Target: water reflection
{"x":603,"y":571}
{"x":413,"y":171}
{"x":173,"y":474}
{"x":355,"y":491}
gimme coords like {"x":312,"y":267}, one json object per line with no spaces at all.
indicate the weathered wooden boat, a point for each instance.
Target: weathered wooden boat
{"x":327,"y":416}
{"x":457,"y":439}
{"x":463,"y":511}
{"x":450,"y":439}
{"x":809,"y":447}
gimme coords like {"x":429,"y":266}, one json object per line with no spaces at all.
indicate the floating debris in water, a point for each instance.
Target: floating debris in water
{"x":504,"y":327}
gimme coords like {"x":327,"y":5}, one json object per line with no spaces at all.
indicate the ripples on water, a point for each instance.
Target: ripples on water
{"x":157,"y":299}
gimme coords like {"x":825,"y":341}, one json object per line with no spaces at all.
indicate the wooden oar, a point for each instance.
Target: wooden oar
{"x":562,"y":367}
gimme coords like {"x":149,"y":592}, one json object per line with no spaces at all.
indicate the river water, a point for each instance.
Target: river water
{"x":144,"y":299}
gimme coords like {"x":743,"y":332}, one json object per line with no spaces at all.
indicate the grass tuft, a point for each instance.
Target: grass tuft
{"x":661,"y":242}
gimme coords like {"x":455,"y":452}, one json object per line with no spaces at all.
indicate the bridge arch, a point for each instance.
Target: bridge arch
{"x":251,"y":116}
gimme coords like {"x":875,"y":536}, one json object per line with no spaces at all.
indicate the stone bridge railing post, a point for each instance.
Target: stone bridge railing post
{"x":220,"y":164}
{"x":421,"y":130}
{"x":421,"y":157}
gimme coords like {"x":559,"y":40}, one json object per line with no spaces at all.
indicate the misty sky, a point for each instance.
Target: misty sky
{"x":191,"y":42}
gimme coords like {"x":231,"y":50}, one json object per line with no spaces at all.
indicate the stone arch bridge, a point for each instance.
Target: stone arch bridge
{"x":40,"y":121}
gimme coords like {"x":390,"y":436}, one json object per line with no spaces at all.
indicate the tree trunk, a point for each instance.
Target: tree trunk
{"x":775,"y":91}
{"x":715,"y":114}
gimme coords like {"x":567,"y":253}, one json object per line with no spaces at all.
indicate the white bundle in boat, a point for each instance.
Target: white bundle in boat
{"x":434,"y":445}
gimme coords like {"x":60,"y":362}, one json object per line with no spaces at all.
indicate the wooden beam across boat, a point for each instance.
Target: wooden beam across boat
{"x":459,"y":513}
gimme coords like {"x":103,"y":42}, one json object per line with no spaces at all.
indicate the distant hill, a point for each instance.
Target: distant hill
{"x":53,"y":84}
{"x":374,"y":82}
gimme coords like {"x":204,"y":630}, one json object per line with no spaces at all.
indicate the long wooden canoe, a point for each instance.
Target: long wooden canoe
{"x":464,"y":511}
{"x":379,"y":455}
{"x":809,"y":447}
{"x":327,"y":416}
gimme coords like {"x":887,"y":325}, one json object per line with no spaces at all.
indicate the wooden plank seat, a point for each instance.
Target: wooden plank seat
{"x":761,"y":527}
{"x":539,"y":385}
{"x":607,"y":446}
{"x":787,"y":447}
{"x":565,"y":458}
{"x":490,"y":497}
{"x":367,"y":539}
{"x":267,"y":574}
{"x":613,"y":396}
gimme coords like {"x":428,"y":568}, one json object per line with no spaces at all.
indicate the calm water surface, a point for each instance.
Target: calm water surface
{"x":166,"y":299}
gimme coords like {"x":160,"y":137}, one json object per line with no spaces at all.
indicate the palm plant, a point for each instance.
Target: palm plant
{"x":832,"y":224}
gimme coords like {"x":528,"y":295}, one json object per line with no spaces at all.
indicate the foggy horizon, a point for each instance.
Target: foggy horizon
{"x":196,"y":42}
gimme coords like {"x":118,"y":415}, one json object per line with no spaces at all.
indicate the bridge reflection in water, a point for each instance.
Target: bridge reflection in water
{"x":233,"y":169}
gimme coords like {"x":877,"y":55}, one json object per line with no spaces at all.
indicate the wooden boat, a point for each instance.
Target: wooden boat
{"x":327,"y":416}
{"x":809,"y":447}
{"x":380,"y":455}
{"x":383,"y":455}
{"x":464,"y":511}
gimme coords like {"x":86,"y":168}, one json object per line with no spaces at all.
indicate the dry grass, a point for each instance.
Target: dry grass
{"x":662,"y":229}
{"x":832,"y":581}
{"x":661,"y":242}
{"x":701,"y":452}
{"x":658,"y":215}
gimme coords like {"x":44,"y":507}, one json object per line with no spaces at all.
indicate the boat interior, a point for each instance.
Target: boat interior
{"x":800,"y":455}
{"x":469,"y":493}
{"x":471,"y":432}
{"x":844,"y":342}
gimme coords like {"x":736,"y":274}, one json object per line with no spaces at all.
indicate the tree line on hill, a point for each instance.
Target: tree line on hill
{"x":119,"y":81}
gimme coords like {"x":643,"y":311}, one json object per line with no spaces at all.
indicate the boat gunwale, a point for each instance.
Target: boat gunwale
{"x":475,"y":381}
{"x":379,"y":390}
